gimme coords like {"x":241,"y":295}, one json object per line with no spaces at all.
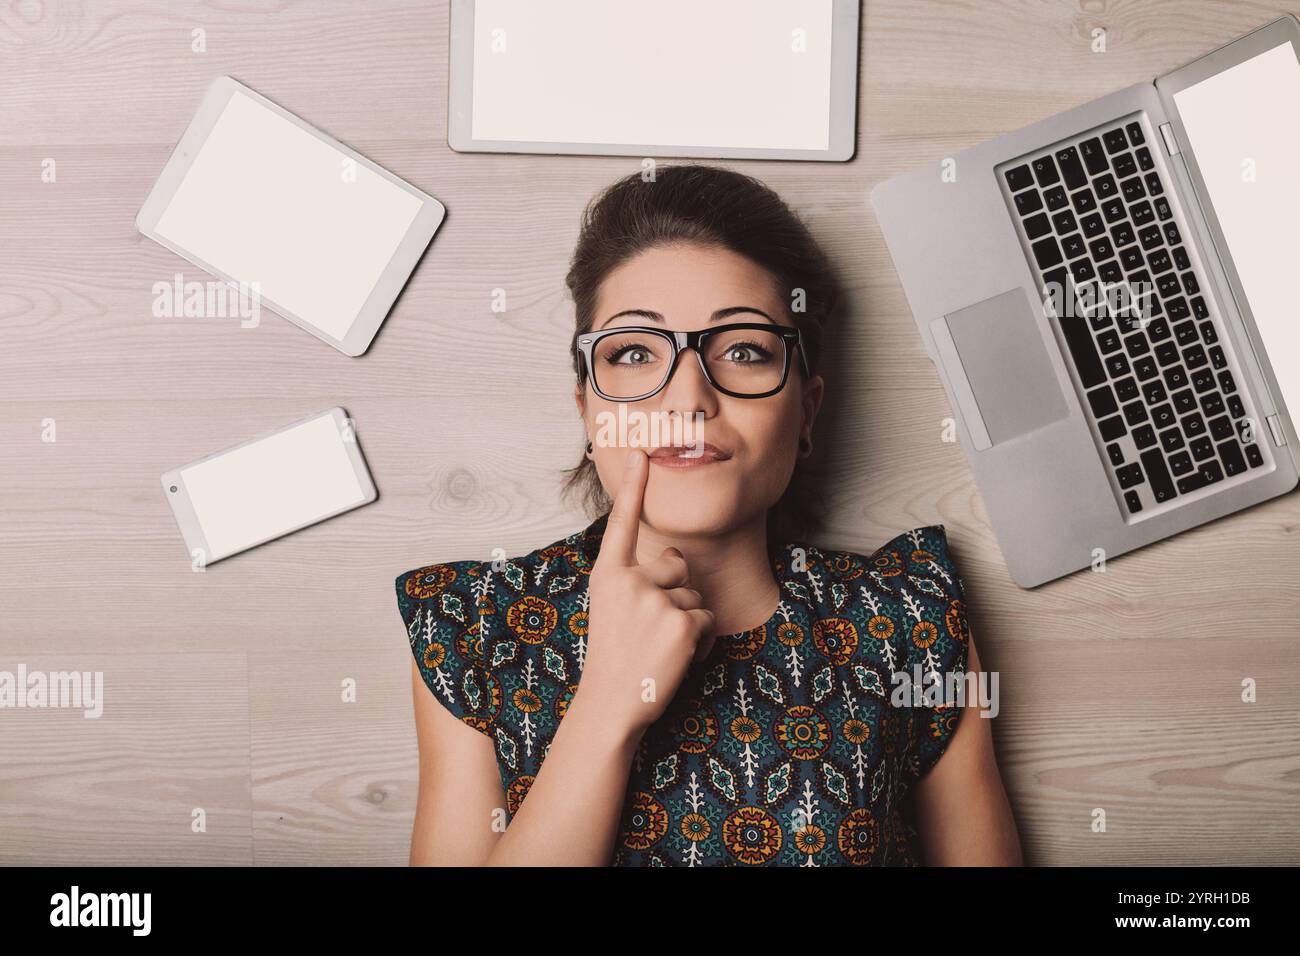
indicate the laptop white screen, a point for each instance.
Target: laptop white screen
{"x":1243,"y":127}
{"x":723,"y":73}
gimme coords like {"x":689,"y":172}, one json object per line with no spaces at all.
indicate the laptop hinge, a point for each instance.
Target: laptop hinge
{"x":1274,"y":426}
{"x":1171,"y":144}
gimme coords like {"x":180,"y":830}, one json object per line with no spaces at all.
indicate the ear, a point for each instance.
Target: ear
{"x":580,"y":399}
{"x":814,"y":390}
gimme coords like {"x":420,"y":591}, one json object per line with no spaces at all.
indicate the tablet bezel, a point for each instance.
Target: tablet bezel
{"x":183,"y":509}
{"x":843,"y":105}
{"x":391,"y":281}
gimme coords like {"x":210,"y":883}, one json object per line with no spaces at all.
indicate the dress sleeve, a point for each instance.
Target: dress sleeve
{"x":440,"y":606}
{"x":934,"y":604}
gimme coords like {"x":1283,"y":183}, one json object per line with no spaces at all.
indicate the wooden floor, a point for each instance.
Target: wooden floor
{"x":223,"y":690}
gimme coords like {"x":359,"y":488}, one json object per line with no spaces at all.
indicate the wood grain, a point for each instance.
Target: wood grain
{"x":1120,"y":690}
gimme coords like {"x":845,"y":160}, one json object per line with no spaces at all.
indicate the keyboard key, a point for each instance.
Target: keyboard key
{"x":1047,"y":253}
{"x":1184,"y":401}
{"x":1126,"y":389}
{"x":1130,"y":475}
{"x":1104,"y":186}
{"x":1045,"y":171}
{"x":1110,"y":272}
{"x":1153,"y":463}
{"x":1086,"y":360}
{"x":1145,"y":368}
{"x":1145,"y":162}
{"x":1180,"y":254}
{"x":1083,"y":201}
{"x":1063,"y":222}
{"x":1019,"y":178}
{"x":1123,"y":235}
{"x":1133,"y":502}
{"x":1154,"y":186}
{"x":1125,"y":166}
{"x":1194,"y":356}
{"x":1108,"y":341}
{"x":1172,"y":236}
{"x":1094,"y":158}
{"x":1212,"y":404}
{"x":1163,"y":415}
{"x":1101,"y":249}
{"x":1037,"y":226}
{"x":1028,"y":202}
{"x":1190,"y":285}
{"x":1226,"y":383}
{"x":1142,"y":212}
{"x":1166,"y":353}
{"x":1235,"y":408}
{"x":1192,"y":425}
{"x":1217,"y":358}
{"x":1180,"y":463}
{"x":1135,"y":133}
{"x":1233,"y":462}
{"x":1102,"y":402}
{"x":1202,"y":380}
{"x":1071,"y":167}
{"x":1202,"y":448}
{"x":1093,"y":226}
{"x":1199,"y":308}
{"x":1150,"y":237}
{"x":1117,"y":364}
{"x":1163,"y":211}
{"x":1115,"y":141}
{"x":1144,"y":436}
{"x":1159,"y":261}
{"x":1135,"y":413}
{"x":1112,"y":428}
{"x":1171,"y":440}
{"x":1055,"y":198}
{"x":1072,"y":246}
{"x":1116,"y":454}
{"x":1221,"y":428}
{"x":1253,"y":456}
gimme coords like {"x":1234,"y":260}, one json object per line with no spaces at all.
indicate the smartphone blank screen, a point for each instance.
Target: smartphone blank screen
{"x":266,"y":488}
{"x":1243,"y":126}
{"x":265,"y":201}
{"x":726,"y":73}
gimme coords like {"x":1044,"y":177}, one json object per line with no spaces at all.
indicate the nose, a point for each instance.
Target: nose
{"x":688,"y":390}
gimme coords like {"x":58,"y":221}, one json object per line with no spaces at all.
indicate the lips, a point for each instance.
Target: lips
{"x":687,"y":453}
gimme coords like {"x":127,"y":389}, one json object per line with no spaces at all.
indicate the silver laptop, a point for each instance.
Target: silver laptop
{"x":1109,"y":298}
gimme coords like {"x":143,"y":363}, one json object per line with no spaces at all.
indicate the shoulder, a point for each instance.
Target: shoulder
{"x":460,"y":592}
{"x":918,"y":562}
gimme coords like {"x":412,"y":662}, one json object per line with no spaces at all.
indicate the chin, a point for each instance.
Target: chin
{"x":699,"y":510}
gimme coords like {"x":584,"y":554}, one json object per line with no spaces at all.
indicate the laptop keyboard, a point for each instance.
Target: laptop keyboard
{"x":1095,"y":213}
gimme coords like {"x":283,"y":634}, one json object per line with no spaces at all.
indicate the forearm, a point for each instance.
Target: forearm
{"x":571,"y":814}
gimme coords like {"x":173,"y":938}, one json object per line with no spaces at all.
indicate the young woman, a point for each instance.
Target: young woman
{"x":687,"y":681}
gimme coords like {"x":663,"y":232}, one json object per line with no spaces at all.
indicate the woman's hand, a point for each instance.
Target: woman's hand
{"x":646,"y":623}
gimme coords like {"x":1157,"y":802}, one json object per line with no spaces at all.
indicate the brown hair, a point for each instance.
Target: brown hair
{"x":711,"y":206}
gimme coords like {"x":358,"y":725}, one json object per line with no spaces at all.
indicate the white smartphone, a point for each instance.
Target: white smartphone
{"x":269,"y":486}
{"x":268,"y":203}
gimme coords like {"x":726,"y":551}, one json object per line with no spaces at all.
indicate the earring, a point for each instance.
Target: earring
{"x":805,"y":446}
{"x":588,"y":448}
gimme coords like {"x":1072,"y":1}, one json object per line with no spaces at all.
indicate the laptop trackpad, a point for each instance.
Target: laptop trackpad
{"x":998,"y":368}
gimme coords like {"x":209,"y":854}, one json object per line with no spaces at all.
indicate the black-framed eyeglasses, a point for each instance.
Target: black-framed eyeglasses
{"x":741,"y":359}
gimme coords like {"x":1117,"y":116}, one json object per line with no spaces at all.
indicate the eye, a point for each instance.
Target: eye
{"x":746,"y":353}
{"x":629,"y":355}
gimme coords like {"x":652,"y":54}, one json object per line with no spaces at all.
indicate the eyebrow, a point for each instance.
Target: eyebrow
{"x":715,"y":317}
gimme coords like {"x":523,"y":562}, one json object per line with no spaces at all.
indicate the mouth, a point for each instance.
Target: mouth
{"x":688,"y":456}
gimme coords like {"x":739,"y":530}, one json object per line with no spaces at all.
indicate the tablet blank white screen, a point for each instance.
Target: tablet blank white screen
{"x":272,"y":486}
{"x":727,"y":73}
{"x":265,"y":201}
{"x":1244,"y":130}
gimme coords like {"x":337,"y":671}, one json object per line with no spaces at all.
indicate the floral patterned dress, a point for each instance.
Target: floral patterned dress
{"x":792,"y":744}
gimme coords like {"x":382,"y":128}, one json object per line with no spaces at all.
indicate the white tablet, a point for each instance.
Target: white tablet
{"x":756,"y":79}
{"x":268,"y":486}
{"x":311,"y":228}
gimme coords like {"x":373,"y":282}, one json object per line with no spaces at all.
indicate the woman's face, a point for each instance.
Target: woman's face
{"x":757,"y":440}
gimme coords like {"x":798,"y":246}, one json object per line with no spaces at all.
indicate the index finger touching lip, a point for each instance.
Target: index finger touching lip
{"x":619,"y":542}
